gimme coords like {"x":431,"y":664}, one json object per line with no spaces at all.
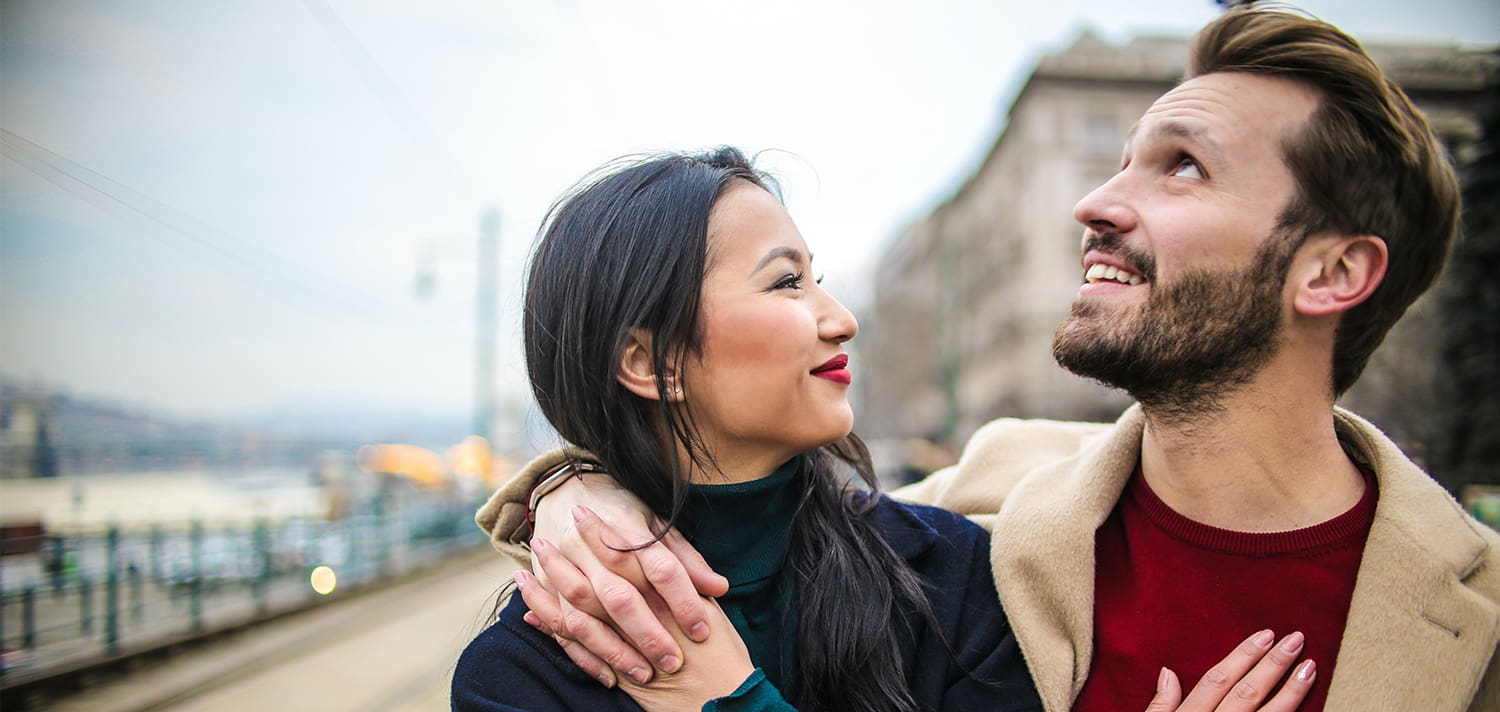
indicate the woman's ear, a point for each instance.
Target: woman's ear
{"x":1336,"y":274}
{"x":637,"y":373}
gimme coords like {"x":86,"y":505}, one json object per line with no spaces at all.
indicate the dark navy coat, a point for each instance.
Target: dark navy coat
{"x":512,"y":666}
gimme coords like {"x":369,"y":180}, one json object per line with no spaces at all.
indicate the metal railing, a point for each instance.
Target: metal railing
{"x":71,"y":602}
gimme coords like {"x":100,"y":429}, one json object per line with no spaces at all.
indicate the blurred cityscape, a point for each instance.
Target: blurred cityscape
{"x":128,"y":535}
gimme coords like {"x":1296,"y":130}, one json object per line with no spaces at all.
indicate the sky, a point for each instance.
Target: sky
{"x":215,"y":209}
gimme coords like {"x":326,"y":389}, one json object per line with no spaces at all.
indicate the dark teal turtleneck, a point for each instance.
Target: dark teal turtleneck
{"x":743,"y":530}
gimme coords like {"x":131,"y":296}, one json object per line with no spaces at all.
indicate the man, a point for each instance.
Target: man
{"x":1273,"y":216}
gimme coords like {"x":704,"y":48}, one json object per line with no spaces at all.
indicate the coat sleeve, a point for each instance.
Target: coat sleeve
{"x":510,"y":668}
{"x":989,"y":671}
{"x":996,"y":457}
{"x":503,"y":517}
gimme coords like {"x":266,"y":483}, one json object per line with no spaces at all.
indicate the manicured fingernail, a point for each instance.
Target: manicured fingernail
{"x":1161,"y":680}
{"x":669,"y":663}
{"x":699,"y":631}
{"x":531,"y":619}
{"x":1263,"y":639}
{"x":539,"y":544}
{"x":520,"y":578}
{"x":637,"y":674}
{"x":1306,"y":670}
{"x":579,"y":513}
{"x":1292,"y":644}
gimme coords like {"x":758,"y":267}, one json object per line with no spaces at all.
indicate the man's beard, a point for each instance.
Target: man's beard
{"x":1196,"y":340}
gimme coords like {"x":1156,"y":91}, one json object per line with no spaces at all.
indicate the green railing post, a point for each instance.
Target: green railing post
{"x":137,"y":606}
{"x":28,"y":617}
{"x":382,"y":537}
{"x":263,"y":558}
{"x":195,"y":574}
{"x":59,"y":551}
{"x":112,"y":589}
{"x":85,"y":604}
{"x":156,"y":539}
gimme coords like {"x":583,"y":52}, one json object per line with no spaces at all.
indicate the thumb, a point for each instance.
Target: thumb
{"x":1168,"y":693}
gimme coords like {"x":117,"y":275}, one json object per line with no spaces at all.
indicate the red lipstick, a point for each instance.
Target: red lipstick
{"x":835,"y":369}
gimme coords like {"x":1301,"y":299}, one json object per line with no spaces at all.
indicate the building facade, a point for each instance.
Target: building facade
{"x":968,"y":297}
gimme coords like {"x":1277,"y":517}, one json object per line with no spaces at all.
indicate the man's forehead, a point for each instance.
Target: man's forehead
{"x":1208,"y":110}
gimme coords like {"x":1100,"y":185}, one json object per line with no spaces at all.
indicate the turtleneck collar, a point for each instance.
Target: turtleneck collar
{"x":743,"y":529}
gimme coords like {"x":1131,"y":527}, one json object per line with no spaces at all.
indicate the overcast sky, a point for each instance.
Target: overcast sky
{"x":214,"y":208}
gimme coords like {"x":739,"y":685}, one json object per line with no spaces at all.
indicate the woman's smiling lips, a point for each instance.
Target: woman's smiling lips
{"x":835,"y":369}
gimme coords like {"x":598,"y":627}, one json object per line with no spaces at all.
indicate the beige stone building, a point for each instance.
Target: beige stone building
{"x":967,"y":298}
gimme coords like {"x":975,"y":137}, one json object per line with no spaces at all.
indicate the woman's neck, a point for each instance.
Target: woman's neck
{"x":730,"y":465}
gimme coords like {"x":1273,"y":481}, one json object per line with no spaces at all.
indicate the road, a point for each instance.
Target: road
{"x":387,"y":650}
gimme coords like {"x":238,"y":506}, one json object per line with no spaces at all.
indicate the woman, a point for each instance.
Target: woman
{"x":675,"y":334}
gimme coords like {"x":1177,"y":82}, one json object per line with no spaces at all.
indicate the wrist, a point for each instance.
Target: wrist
{"x":556,"y":479}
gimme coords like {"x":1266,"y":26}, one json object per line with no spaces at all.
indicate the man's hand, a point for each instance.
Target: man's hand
{"x":603,"y":619}
{"x":1239,"y":682}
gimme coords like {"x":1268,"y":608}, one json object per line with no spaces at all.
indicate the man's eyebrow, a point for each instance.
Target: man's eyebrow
{"x":1184,"y":132}
{"x":785,"y":251}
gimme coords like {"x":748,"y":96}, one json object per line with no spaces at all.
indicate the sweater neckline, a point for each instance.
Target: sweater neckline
{"x":1350,"y":527}
{"x":743,"y":529}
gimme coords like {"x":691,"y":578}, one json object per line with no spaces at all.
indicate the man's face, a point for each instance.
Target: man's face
{"x":1184,"y":261}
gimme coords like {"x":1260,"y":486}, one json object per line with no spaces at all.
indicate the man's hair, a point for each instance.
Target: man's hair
{"x":1366,"y":163}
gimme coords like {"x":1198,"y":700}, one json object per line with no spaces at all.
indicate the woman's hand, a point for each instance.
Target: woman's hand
{"x":712,"y":668}
{"x":602,"y":617}
{"x":1239,"y":682}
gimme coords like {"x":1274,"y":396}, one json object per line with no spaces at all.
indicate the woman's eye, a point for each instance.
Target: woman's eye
{"x":791,"y":281}
{"x":1188,"y":168}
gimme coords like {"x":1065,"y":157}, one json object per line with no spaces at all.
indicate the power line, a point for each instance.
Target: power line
{"x":121,"y":200}
{"x":384,"y":88}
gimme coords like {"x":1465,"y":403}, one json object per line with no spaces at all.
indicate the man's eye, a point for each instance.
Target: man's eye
{"x":1188,"y":168}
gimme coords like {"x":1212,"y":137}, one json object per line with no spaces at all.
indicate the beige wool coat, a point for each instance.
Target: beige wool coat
{"x":1423,"y":623}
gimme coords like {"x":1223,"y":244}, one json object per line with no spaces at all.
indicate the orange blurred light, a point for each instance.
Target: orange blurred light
{"x":418,"y":464}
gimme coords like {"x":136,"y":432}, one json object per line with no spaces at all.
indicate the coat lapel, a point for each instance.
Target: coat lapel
{"x":1417,"y":636}
{"x":1043,"y":555}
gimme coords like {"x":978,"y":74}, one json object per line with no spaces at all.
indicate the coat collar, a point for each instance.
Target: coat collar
{"x":1043,"y":554}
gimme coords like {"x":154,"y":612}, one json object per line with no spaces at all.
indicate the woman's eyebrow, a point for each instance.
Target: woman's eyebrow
{"x":790,"y":253}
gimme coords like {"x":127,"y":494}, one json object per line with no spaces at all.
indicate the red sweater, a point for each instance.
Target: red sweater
{"x":1171,"y":592}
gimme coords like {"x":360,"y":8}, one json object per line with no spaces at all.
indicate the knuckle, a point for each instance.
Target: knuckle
{"x":575,"y":620}
{"x":616,"y":659}
{"x":1216,"y":678}
{"x":1281,"y":657}
{"x":614,"y":596}
{"x":659,"y":569}
{"x":1245,"y":690}
{"x":574,"y":591}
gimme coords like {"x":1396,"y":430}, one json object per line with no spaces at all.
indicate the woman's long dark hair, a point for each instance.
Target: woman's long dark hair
{"x":627,"y":250}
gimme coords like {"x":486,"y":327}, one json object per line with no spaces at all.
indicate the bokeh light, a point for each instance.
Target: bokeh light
{"x":323,"y":580}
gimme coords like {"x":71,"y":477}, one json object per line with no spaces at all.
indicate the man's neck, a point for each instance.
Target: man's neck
{"x":1268,"y":460}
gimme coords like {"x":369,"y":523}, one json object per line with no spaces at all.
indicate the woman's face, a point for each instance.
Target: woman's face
{"x":771,"y":378}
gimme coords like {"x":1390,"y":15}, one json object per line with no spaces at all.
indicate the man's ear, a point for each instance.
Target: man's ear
{"x":636,"y":372}
{"x":1337,"y":273}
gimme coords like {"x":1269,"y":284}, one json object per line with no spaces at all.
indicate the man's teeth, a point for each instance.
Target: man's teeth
{"x":1099,"y":272}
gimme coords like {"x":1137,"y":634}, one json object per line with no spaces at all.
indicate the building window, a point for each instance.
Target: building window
{"x":1101,"y":135}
